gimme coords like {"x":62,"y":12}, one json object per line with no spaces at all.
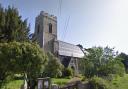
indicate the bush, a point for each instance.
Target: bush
{"x":97,"y":83}
{"x":53,"y":68}
{"x":67,"y":72}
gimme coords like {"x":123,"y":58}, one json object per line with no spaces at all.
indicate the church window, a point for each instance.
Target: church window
{"x":50,"y":28}
{"x":38,"y":29}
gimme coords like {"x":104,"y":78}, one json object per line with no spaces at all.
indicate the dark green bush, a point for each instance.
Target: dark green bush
{"x":67,"y":72}
{"x":97,"y":83}
{"x":53,"y":68}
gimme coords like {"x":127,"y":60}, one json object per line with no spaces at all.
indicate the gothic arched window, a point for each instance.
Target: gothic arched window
{"x":50,"y":28}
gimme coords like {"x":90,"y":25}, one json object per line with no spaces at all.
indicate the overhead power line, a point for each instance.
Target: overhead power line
{"x":65,"y":28}
{"x":59,"y":7}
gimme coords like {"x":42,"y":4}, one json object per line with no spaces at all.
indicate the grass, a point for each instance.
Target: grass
{"x":15,"y":84}
{"x":120,"y":82}
{"x":60,"y":81}
{"x":63,"y":81}
{"x":117,"y":83}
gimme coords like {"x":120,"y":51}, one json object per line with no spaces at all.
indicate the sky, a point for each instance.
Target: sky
{"x":87,"y":22}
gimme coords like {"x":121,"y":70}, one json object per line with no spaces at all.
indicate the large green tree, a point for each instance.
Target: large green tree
{"x":102,"y":62}
{"x":23,"y":58}
{"x":12,"y":27}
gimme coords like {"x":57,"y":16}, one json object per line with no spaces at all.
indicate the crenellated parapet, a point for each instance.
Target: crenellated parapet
{"x":45,"y":14}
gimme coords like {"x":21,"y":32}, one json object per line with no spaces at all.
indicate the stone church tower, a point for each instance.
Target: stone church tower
{"x":46,"y":31}
{"x":46,"y":36}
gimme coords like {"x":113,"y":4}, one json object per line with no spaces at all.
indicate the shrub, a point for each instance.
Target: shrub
{"x":97,"y":83}
{"x":53,"y":68}
{"x":67,"y":72}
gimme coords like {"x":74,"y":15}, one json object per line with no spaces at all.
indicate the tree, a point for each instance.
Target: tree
{"x":114,"y":66}
{"x":53,"y":67}
{"x":12,"y":28}
{"x":124,"y":60}
{"x":23,"y":58}
{"x":101,"y":62}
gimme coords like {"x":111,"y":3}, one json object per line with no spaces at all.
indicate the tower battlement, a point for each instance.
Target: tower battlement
{"x":45,"y":14}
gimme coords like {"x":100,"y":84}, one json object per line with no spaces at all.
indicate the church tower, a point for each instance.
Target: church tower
{"x":46,"y":31}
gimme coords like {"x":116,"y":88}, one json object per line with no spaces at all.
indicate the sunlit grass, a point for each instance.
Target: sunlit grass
{"x":15,"y":84}
{"x":117,"y":83}
{"x":60,"y":81}
{"x":120,"y":82}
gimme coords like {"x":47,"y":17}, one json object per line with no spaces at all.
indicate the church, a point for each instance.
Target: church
{"x":46,"y":35}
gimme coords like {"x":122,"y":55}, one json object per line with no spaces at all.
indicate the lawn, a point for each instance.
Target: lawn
{"x":15,"y":84}
{"x":63,"y":81}
{"x":117,"y":83}
{"x":60,"y":81}
{"x":120,"y":82}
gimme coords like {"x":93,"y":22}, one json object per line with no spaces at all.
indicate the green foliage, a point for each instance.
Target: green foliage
{"x":112,"y":67}
{"x":67,"y":72}
{"x":23,"y":58}
{"x":97,"y":83}
{"x":93,"y":61}
{"x":53,"y":68}
{"x":101,"y":62}
{"x":12,"y":27}
{"x":124,"y":60}
{"x":89,"y":69}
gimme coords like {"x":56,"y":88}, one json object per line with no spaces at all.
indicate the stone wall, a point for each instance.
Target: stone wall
{"x":42,"y":34}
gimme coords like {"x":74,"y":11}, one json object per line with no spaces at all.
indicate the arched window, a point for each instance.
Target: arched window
{"x":38,"y":29}
{"x":50,"y":28}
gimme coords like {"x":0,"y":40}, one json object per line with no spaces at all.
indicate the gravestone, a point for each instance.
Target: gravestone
{"x":44,"y":83}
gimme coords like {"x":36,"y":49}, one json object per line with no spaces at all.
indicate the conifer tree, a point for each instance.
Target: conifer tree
{"x":12,"y":27}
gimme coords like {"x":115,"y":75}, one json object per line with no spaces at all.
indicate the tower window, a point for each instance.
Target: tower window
{"x":50,"y":28}
{"x":38,"y":29}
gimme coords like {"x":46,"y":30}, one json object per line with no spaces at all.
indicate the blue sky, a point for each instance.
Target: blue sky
{"x":86,"y":22}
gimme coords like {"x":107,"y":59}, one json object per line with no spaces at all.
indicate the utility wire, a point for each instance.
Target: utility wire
{"x":65,"y":28}
{"x":59,"y":7}
{"x":59,"y":15}
{"x":64,"y":32}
